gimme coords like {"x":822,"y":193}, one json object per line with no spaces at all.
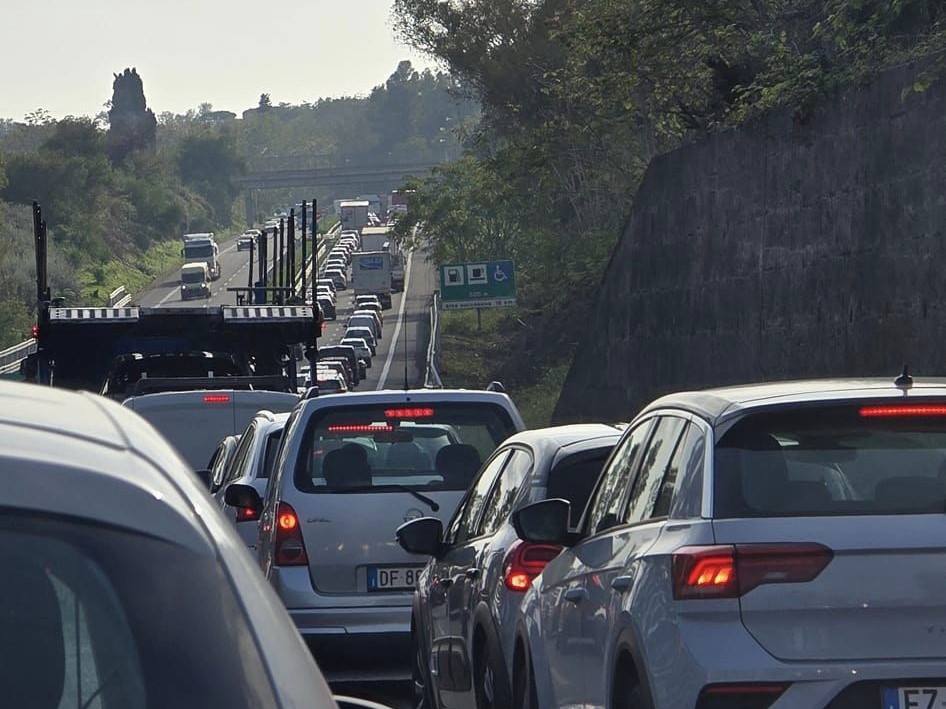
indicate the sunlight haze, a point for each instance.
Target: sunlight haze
{"x":60,"y":55}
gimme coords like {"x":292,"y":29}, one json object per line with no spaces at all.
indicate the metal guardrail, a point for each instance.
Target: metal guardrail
{"x":10,"y":357}
{"x":432,"y":377}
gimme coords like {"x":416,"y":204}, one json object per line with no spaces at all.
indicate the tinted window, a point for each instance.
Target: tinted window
{"x":504,"y":493}
{"x":832,"y":461}
{"x":663,"y":445}
{"x":574,"y":478}
{"x":236,"y":467}
{"x":463,"y":526}
{"x":86,"y":622}
{"x":424,"y":446}
{"x":687,"y":501}
{"x":605,"y":506}
{"x":269,"y":455}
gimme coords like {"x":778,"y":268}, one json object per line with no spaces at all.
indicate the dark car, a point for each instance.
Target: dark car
{"x":468,"y":625}
{"x":128,"y":369}
{"x":328,"y":308}
{"x":348,"y":353}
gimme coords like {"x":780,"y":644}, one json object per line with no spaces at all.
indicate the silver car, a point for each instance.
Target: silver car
{"x":778,"y":545}
{"x":351,"y":469}
{"x":123,"y":586}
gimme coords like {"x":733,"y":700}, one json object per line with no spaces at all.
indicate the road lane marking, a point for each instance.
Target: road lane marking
{"x":397,"y":327}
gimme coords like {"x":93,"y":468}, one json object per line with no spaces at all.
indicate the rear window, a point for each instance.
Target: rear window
{"x":421,"y":446}
{"x":88,"y":623}
{"x":574,"y":478}
{"x":864,"y":459}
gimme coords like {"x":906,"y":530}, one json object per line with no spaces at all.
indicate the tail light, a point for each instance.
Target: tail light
{"x":525,"y":561}
{"x":245,"y":514}
{"x":289,"y":547}
{"x":730,"y":571}
{"x":740,"y":696}
{"x":216,"y":398}
{"x":34,"y":331}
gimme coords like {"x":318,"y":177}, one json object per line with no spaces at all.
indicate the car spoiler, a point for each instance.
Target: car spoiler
{"x":154,"y":385}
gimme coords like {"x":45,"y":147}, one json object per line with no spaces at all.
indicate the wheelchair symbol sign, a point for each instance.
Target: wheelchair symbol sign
{"x":499,"y":275}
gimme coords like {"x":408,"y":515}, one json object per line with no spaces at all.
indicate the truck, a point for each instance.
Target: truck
{"x":371,"y":275}
{"x":202,"y":248}
{"x":195,"y":281}
{"x":354,"y":215}
{"x":374,"y":238}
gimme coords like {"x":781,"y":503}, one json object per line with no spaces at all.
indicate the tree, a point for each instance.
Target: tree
{"x":76,"y":137}
{"x":264,"y":102}
{"x":132,"y":125}
{"x":208,"y":161}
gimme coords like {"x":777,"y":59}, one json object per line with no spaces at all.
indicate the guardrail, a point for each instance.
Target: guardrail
{"x":119,"y":298}
{"x":432,"y":377}
{"x":10,"y":357}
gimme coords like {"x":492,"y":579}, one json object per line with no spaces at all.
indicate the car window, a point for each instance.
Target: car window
{"x":574,"y":478}
{"x":687,"y":502}
{"x":218,"y":466}
{"x":656,"y":462}
{"x":237,"y":464}
{"x":88,"y":625}
{"x":504,"y":492}
{"x":269,"y":455}
{"x":466,"y":524}
{"x":605,"y":505}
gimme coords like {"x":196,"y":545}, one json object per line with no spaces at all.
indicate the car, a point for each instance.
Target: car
{"x":220,"y":459}
{"x":362,"y":300}
{"x":772,"y":541}
{"x":251,"y":465}
{"x":336,"y":262}
{"x":329,"y":282}
{"x":372,"y":305}
{"x":328,"y":307}
{"x":362,"y":348}
{"x":328,"y":382}
{"x":367,"y":319}
{"x":345,"y":351}
{"x":351,"y":470}
{"x":338,"y":366}
{"x":325,"y":291}
{"x":372,"y":313}
{"x":96,"y":502}
{"x":365,"y":333}
{"x":470,"y":627}
{"x":246,"y":241}
{"x":338,"y":277}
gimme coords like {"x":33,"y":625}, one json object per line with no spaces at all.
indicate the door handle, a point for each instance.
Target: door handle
{"x":622,"y":583}
{"x":576,"y":595}
{"x":472,"y":574}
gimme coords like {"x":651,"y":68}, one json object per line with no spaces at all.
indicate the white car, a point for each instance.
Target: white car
{"x":362,"y":349}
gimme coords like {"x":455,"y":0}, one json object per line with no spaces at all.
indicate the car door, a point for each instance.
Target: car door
{"x":472,"y":581}
{"x":447,"y":649}
{"x":565,"y":644}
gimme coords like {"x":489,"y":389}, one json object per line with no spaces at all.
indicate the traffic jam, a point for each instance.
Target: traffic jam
{"x":260,"y":528}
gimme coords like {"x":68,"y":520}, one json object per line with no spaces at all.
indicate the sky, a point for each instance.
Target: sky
{"x":61,"y":55}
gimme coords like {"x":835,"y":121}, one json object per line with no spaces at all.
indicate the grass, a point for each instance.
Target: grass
{"x":471,"y":358}
{"x":98,"y":280}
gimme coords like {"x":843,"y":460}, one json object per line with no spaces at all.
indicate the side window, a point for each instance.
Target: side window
{"x":239,"y":457}
{"x":656,"y":464}
{"x":216,"y":466}
{"x":687,"y":501}
{"x":466,"y":523}
{"x":619,"y":472}
{"x":503,"y":495}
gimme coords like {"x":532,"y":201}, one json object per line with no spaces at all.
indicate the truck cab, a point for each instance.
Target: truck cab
{"x":202,"y":248}
{"x":195,"y":281}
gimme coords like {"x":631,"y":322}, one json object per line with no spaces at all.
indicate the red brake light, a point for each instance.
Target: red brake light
{"x":524,"y":562}
{"x":34,"y":331}
{"x":748,"y":695}
{"x":415,"y":413}
{"x":216,"y":398}
{"x":289,"y":546}
{"x":246,"y":515}
{"x":903,"y":410}
{"x":361,"y":428}
{"x":727,"y":571}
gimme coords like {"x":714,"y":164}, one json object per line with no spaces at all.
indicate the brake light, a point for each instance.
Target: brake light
{"x":246,"y":515}
{"x":740,"y":696}
{"x":415,"y":413}
{"x":903,"y":410}
{"x":216,"y":398}
{"x":34,"y":331}
{"x":361,"y":428}
{"x":289,"y":546}
{"x":727,"y":571}
{"x":525,"y":561}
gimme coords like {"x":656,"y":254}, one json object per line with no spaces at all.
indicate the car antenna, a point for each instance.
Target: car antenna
{"x":904,"y":381}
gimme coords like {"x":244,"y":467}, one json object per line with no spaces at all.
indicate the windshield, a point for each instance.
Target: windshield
{"x":423,"y":446}
{"x":199,"y":251}
{"x":841,"y":460}
{"x":192,"y":277}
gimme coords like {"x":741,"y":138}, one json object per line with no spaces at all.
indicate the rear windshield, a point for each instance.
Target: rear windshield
{"x":574,"y":478}
{"x":422,"y":446}
{"x":883,"y":459}
{"x":87,"y":623}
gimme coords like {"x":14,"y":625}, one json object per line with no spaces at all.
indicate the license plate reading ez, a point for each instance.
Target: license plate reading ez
{"x":932,"y":697}
{"x":393,"y":578}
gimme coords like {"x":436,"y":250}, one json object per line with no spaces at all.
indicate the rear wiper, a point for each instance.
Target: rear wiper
{"x":388,"y":488}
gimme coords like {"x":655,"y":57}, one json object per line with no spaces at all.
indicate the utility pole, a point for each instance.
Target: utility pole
{"x":291,"y":243}
{"x":305,"y":291}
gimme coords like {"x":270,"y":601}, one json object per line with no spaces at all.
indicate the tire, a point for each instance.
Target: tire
{"x":524,"y":694}
{"x":423,"y":695}
{"x":490,"y":687}
{"x":627,"y":692}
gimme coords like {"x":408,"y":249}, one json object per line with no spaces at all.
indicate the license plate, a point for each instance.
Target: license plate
{"x":393,"y":578}
{"x":930,"y":697}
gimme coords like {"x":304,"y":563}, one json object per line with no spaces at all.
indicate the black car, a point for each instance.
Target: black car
{"x":348,"y":353}
{"x":328,"y":308}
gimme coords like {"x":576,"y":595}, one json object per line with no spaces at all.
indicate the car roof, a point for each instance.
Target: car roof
{"x":405,"y":396}
{"x":62,"y":446}
{"x":716,"y":405}
{"x":571,"y":438}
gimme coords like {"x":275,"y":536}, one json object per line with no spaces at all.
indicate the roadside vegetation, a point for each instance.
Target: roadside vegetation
{"x":578,"y":95}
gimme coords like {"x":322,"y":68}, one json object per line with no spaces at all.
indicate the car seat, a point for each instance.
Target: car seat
{"x":457,"y":464}
{"x":347,"y":467}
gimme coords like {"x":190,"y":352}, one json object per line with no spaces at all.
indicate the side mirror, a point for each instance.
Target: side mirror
{"x":544,"y":522}
{"x":205,"y":477}
{"x":421,"y":536}
{"x":244,"y":497}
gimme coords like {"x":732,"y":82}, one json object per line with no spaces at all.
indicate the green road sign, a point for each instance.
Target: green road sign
{"x":478,"y":284}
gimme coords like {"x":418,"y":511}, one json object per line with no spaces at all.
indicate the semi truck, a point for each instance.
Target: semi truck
{"x":202,"y":248}
{"x":353,"y":215}
{"x":371,"y":275}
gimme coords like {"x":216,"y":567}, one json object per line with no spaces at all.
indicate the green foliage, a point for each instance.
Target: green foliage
{"x":132,"y":125}
{"x":207,"y":162}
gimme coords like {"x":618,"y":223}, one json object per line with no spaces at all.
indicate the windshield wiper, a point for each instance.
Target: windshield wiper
{"x":388,"y":488}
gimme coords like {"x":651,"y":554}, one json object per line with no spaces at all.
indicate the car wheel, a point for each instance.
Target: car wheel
{"x":489,"y":686}
{"x":524,"y":694}
{"x":628,"y":693}
{"x":423,"y":694}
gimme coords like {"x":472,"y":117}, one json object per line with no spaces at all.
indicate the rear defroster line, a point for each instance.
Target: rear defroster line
{"x":400,"y":320}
